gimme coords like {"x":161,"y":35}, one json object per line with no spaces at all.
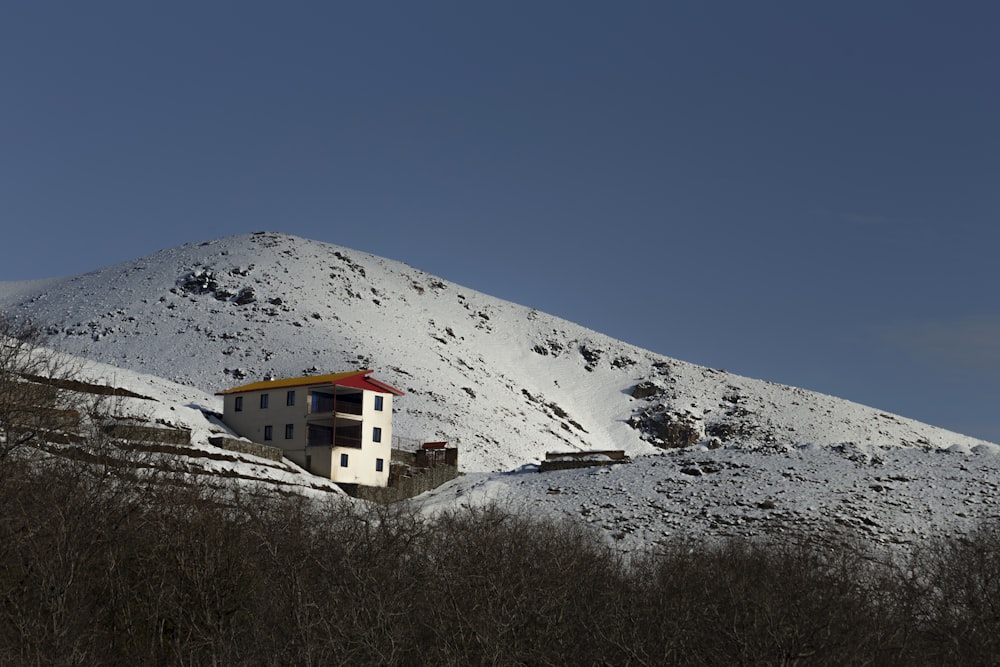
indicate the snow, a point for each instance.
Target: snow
{"x":902,"y":496}
{"x":20,"y":288}
{"x":508,"y":384}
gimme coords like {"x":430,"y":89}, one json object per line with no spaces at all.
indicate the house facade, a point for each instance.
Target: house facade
{"x":338,"y":426}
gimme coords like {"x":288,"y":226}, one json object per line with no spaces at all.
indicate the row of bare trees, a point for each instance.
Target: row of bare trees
{"x":30,"y":411}
{"x":114,"y":564}
{"x":93,"y":571}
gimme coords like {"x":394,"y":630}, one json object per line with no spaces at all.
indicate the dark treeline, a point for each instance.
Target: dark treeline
{"x":99,"y":569}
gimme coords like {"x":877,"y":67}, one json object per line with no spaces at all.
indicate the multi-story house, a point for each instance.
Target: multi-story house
{"x":338,"y":425}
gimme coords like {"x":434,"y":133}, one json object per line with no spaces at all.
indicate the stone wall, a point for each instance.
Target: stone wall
{"x":171,"y":436}
{"x":246,"y":447}
{"x":402,"y":488}
{"x":569,"y":460}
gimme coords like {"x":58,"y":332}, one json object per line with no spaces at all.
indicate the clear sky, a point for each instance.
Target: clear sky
{"x":798,"y":191}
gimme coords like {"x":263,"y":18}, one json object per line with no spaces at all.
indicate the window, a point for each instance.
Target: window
{"x":376,"y":434}
{"x":290,"y":398}
{"x":289,"y":431}
{"x":378,"y":465}
{"x":343,"y":460}
{"x":263,"y":401}
{"x":378,"y":403}
{"x":268,"y":432}
{"x":239,"y":404}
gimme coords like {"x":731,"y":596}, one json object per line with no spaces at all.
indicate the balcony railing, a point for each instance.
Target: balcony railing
{"x":325,"y":406}
{"x":324,"y":440}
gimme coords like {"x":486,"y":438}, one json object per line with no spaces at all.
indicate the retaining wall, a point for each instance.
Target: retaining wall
{"x":246,"y":447}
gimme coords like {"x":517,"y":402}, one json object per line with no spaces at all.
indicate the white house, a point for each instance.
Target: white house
{"x":338,"y":425}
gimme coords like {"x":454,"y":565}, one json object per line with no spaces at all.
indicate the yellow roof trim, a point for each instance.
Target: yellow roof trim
{"x":292,"y":382}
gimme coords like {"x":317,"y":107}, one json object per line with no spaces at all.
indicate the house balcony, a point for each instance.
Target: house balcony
{"x":335,"y":404}
{"x":333,"y":417}
{"x":325,"y":435}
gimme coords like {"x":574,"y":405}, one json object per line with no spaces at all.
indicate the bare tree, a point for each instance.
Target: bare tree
{"x":33,"y":409}
{"x":50,"y":414}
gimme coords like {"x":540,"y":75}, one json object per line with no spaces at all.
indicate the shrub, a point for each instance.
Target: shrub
{"x":105,"y":568}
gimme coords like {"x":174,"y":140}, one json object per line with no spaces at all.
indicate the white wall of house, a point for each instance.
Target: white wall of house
{"x":253,"y":421}
{"x":362,"y":465}
{"x":317,"y":461}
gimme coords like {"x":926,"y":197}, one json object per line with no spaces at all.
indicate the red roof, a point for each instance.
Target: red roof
{"x":434,"y":445}
{"x":365,"y":381}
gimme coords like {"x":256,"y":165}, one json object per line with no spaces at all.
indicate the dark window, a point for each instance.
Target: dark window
{"x":263,"y":401}
{"x":321,"y":402}
{"x":378,"y":403}
{"x":318,"y":435}
{"x":290,"y":398}
{"x":268,"y":432}
{"x":343,"y":460}
{"x":239,"y":404}
{"x":378,"y":465}
{"x":289,"y":431}
{"x":376,"y":434}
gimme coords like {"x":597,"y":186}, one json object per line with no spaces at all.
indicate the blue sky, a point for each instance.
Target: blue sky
{"x":802,"y":192}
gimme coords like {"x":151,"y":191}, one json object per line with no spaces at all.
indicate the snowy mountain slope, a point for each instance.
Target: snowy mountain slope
{"x":506,"y":382}
{"x":900,"y":496}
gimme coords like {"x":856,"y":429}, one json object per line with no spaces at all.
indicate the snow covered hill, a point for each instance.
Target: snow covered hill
{"x":506,"y":382}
